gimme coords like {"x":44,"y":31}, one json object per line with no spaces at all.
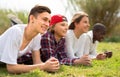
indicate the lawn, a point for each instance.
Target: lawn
{"x":105,"y":68}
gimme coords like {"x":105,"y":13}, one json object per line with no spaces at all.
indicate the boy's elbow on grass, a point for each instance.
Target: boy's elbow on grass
{"x":10,"y":70}
{"x":16,"y":69}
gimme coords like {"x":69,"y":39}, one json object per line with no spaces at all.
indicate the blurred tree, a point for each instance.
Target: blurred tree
{"x":5,"y":21}
{"x":23,"y":15}
{"x":106,"y":12}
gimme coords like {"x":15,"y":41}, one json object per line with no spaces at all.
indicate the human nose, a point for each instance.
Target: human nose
{"x":47,"y":24}
{"x":66,"y":28}
{"x":88,"y":24}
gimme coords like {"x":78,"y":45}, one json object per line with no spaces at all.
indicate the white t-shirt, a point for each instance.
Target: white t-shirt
{"x":77,"y":47}
{"x":10,"y":42}
{"x":89,"y":46}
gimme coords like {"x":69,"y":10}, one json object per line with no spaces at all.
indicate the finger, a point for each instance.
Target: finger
{"x":54,"y":67}
{"x":88,"y":59}
{"x":86,"y":55}
{"x":57,"y":67}
{"x":54,"y":59}
{"x":88,"y":63}
{"x":55,"y":63}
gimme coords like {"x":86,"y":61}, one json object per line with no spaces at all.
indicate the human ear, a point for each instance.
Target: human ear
{"x":32,"y":18}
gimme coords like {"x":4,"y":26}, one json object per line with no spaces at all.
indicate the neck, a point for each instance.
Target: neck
{"x":57,"y":37}
{"x":77,"y":33}
{"x":29,"y":33}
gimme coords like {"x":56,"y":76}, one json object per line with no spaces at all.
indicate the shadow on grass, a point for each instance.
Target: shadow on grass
{"x":3,"y":69}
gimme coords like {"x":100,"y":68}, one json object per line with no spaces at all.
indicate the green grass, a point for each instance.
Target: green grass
{"x":99,"y":68}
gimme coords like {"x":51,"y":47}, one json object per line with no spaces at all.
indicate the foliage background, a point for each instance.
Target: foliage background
{"x":5,"y":22}
{"x":102,"y":11}
{"x":106,"y":12}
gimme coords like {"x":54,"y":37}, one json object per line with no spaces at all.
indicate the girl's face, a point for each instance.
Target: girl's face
{"x":60,"y":29}
{"x":83,"y":25}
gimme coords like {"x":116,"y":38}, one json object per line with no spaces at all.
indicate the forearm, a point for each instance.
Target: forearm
{"x":84,"y":60}
{"x":19,"y":68}
{"x":36,"y":57}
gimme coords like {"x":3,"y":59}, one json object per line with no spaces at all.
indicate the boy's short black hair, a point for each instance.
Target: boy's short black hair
{"x":98,"y":27}
{"x":99,"y":30}
{"x":38,"y":9}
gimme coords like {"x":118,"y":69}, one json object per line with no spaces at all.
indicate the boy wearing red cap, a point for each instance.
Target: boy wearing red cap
{"x":52,"y":42}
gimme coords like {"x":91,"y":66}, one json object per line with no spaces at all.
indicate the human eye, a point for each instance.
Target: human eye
{"x":45,"y":19}
{"x":62,"y":24}
{"x":85,"y":22}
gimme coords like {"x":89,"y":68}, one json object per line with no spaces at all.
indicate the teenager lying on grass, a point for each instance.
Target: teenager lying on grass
{"x":78,"y":26}
{"x":19,"y":39}
{"x":92,"y":38}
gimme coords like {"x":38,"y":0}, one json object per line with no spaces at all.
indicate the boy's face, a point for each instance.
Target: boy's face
{"x":60,"y":29}
{"x":99,"y":36}
{"x":41,"y":22}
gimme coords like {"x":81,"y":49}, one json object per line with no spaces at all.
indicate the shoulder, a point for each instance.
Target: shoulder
{"x":63,"y":39}
{"x":70,"y":34}
{"x":47,"y":34}
{"x":38,"y":36}
{"x":18,"y":28}
{"x":14,"y":31}
{"x":89,"y":35}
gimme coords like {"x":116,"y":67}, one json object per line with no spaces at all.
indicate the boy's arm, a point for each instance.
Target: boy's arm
{"x":36,"y":57}
{"x":51,"y":65}
{"x":19,"y":68}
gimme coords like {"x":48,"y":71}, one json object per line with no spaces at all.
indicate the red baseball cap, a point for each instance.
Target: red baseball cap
{"x":57,"y":18}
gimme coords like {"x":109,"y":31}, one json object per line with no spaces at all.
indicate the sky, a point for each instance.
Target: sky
{"x":56,"y":6}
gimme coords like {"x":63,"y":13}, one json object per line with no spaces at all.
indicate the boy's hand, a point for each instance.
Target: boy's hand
{"x":101,"y":56}
{"x":52,"y":65}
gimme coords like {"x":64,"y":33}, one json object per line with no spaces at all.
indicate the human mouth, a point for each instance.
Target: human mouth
{"x":44,"y":29}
